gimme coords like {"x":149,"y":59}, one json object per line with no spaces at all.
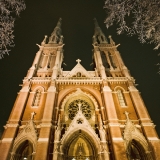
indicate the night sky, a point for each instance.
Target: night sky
{"x":40,"y":18}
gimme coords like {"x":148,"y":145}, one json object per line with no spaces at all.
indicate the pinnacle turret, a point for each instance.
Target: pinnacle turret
{"x":98,"y":36}
{"x":56,"y":36}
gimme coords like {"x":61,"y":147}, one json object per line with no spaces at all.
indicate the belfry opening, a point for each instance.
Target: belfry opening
{"x":79,"y":114}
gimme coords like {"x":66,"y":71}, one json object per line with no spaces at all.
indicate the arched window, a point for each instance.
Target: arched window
{"x":37,"y":98}
{"x":75,"y":105}
{"x":121,"y":98}
{"x":79,"y":74}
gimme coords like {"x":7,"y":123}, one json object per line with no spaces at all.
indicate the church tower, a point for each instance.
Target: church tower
{"x":79,"y":114}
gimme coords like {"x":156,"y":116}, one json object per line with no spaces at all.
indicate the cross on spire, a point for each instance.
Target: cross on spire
{"x":78,"y":61}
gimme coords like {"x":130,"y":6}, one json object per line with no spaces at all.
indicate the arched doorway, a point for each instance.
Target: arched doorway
{"x":136,"y":151}
{"x":79,"y":147}
{"x":24,"y":151}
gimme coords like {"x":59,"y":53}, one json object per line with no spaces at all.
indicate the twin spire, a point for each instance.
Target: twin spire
{"x":98,"y":36}
{"x":57,"y":37}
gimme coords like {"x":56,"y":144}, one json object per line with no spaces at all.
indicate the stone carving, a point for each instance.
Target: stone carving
{"x":79,"y":104}
{"x":78,"y":69}
{"x":29,"y":133}
{"x":131,"y":133}
{"x":77,"y":93}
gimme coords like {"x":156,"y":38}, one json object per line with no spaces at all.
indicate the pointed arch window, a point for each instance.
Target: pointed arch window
{"x":37,"y":98}
{"x":121,"y":98}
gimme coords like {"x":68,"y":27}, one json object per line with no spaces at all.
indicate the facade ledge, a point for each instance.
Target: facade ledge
{"x":79,"y":80}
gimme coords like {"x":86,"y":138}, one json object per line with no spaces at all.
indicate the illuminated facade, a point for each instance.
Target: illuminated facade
{"x":79,"y":114}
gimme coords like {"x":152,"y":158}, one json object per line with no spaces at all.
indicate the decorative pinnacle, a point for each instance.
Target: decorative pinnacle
{"x":99,"y":36}
{"x":44,"y":40}
{"x":59,"y":23}
{"x":32,"y":115}
{"x":56,"y":35}
{"x":78,"y":61}
{"x":126,"y":113}
{"x":96,"y":23}
{"x":111,"y":40}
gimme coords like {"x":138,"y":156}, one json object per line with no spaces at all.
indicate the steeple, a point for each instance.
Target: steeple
{"x":56,"y":36}
{"x":98,"y":36}
{"x":79,"y":114}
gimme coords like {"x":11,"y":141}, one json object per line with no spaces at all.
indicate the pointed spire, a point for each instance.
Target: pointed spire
{"x":56,"y":36}
{"x":59,"y":23}
{"x":96,"y":23}
{"x":99,"y":36}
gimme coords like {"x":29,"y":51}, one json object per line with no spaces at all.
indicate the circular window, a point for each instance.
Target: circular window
{"x":79,"y":104}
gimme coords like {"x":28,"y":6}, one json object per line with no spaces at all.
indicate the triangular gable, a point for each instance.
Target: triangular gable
{"x":80,"y":122}
{"x":131,"y":132}
{"x":29,"y":132}
{"x":78,"y":68}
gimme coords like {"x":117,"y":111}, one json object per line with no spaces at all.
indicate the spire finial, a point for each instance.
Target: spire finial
{"x":59,"y":23}
{"x":111,"y":40}
{"x":99,"y":36}
{"x":44,"y":40}
{"x":96,"y":23}
{"x":56,"y":36}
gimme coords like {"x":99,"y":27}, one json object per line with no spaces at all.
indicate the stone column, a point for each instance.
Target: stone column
{"x":47,"y":62}
{"x":139,"y":105}
{"x":56,"y":66}
{"x":35,"y":63}
{"x":56,"y":150}
{"x":113,"y":125}
{"x":122,"y":65}
{"x":44,"y":136}
{"x":100,"y":64}
{"x":104,"y":146}
{"x":146,"y":123}
{"x":13,"y":123}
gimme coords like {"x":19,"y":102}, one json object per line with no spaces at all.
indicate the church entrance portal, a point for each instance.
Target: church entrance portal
{"x":79,"y":148}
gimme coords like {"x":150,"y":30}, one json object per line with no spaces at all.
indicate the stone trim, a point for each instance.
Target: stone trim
{"x":117,"y":139}
{"x":7,"y":140}
{"x":43,"y":140}
{"x":153,"y":138}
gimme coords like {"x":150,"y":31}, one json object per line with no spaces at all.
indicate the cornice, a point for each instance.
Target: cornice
{"x":79,"y":80}
{"x":38,"y":80}
{"x":118,"y":80}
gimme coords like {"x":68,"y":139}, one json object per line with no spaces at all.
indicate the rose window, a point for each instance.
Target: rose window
{"x":79,"y":105}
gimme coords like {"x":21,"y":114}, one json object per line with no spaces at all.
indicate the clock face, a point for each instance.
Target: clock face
{"x":79,"y":104}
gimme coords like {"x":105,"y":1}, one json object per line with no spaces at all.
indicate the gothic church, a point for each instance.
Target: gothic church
{"x":79,"y":114}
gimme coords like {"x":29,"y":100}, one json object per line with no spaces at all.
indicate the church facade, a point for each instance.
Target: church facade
{"x":79,"y":114}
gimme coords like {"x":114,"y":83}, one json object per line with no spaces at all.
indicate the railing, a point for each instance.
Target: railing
{"x":79,"y":158}
{"x":79,"y":78}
